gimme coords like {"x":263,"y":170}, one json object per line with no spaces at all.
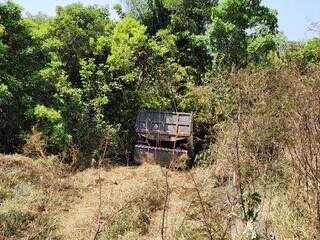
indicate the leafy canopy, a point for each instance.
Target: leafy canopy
{"x":241,"y":30}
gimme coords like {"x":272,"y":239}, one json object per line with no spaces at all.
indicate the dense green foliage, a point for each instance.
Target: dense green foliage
{"x":241,"y":31}
{"x":21,"y":86}
{"x":81,"y":76}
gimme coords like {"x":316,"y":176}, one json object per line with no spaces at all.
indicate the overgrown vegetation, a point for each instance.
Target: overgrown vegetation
{"x":30,"y":195}
{"x":68,"y":81}
{"x":74,"y":75}
{"x":262,"y":147}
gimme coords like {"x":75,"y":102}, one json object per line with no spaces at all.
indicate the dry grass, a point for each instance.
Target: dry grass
{"x":42,"y":200}
{"x":124,"y":190}
{"x":132,"y":199}
{"x":31,"y":193}
{"x":132,"y":203}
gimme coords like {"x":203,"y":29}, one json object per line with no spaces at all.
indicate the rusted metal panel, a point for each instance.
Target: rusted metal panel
{"x":162,"y":126}
{"x":162,"y":156}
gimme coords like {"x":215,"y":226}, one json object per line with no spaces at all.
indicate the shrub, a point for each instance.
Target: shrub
{"x":272,"y":145}
{"x":35,"y":144}
{"x":50,"y":123}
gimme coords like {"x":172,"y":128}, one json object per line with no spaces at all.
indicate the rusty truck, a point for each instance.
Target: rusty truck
{"x":164,"y":138}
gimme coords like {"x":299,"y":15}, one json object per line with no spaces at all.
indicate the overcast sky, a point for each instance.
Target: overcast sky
{"x":295,"y":16}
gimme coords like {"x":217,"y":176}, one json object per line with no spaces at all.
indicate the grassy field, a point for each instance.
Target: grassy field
{"x":41,"y":199}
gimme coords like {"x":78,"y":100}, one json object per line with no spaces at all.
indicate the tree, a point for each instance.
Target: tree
{"x":73,"y":30}
{"x":152,"y":13}
{"x":187,"y":15}
{"x":315,"y":28}
{"x":241,"y":30}
{"x":21,"y":58}
{"x":186,"y":19}
{"x":38,"y":18}
{"x":79,"y":76}
{"x":93,"y":73}
{"x":189,"y":21}
{"x":128,"y":36}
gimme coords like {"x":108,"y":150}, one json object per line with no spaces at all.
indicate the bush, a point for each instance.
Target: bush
{"x":35,"y":144}
{"x":272,"y":145}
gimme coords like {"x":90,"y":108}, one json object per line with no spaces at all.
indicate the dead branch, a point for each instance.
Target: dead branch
{"x":203,"y":209}
{"x":100,"y":186}
{"x":238,"y":165}
{"x":165,"y":173}
{"x":165,"y":205}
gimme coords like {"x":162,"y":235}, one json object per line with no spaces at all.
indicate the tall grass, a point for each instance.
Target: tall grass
{"x":271,"y":150}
